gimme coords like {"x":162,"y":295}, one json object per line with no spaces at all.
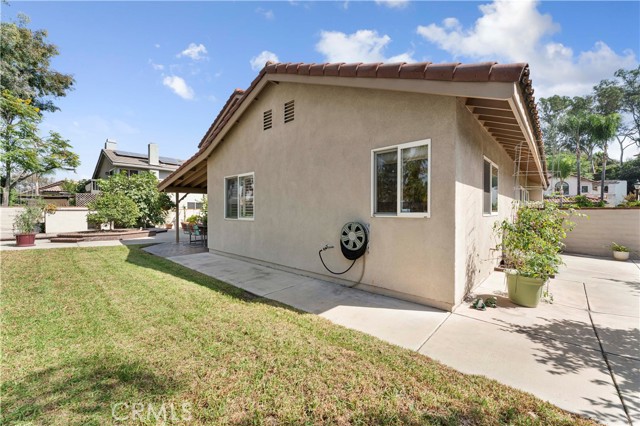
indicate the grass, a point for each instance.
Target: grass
{"x":86,"y":331}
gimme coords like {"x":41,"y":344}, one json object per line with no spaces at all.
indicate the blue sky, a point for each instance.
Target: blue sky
{"x":161,"y":71}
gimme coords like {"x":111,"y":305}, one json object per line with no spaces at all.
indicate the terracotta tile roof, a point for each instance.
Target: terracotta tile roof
{"x":456,"y":72}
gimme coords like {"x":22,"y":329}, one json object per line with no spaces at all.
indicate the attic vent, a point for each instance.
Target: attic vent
{"x":267,"y":120}
{"x":288,"y":111}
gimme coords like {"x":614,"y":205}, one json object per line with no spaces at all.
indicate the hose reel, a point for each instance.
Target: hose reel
{"x":354,"y":238}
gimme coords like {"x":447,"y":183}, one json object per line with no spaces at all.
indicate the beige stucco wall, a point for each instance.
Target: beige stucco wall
{"x":593,"y":234}
{"x":314,"y":174}
{"x":475,"y":256}
{"x":67,"y":219}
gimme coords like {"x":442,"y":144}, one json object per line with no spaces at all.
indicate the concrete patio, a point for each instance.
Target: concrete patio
{"x":581,"y":353}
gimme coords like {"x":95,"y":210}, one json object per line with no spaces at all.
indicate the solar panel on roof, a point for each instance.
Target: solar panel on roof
{"x":130,"y":154}
{"x":168,"y":160}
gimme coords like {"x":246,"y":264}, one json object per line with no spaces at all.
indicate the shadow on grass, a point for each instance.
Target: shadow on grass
{"x":570,"y":347}
{"x":143,"y":259}
{"x":86,"y":387}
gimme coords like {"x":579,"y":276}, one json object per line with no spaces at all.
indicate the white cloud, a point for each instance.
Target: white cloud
{"x":394,"y":4}
{"x":361,"y":46}
{"x":157,"y":45}
{"x":515,"y":31}
{"x":179,"y":86}
{"x":268,"y":14}
{"x":257,"y":62}
{"x":157,"y":67}
{"x":194,"y":51}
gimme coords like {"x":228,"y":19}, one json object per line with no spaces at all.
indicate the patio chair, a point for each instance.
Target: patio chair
{"x":195,"y":236}
{"x":185,"y":227}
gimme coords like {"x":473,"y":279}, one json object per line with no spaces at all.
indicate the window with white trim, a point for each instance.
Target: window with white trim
{"x":239,"y":192}
{"x":490,"y":187}
{"x":400,"y":180}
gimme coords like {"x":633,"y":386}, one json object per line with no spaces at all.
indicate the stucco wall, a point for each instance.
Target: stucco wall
{"x":314,"y":174}
{"x":594,"y":234}
{"x":67,"y":219}
{"x":475,"y":242}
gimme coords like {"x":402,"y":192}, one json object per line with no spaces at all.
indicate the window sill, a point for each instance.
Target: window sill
{"x":404,"y":216}
{"x":250,"y":219}
{"x":490,"y":214}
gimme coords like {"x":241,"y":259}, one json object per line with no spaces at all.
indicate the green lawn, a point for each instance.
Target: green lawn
{"x":85,"y":331}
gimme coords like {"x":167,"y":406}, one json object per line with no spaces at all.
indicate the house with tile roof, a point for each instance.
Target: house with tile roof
{"x":387,"y":177}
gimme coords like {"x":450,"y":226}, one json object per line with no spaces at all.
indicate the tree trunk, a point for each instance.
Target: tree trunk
{"x":604,"y":172}
{"x":6,"y":189}
{"x":578,"y":166}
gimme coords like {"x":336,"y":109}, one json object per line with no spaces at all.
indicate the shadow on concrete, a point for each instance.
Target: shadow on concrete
{"x":86,"y":386}
{"x":563,"y":357}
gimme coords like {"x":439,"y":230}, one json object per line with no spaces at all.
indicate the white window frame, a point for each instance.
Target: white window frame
{"x":224,"y":192}
{"x":399,"y":148}
{"x":493,"y":164}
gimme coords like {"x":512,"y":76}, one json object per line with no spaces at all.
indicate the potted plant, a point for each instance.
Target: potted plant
{"x":168,"y":225}
{"x":531,"y":244}
{"x":620,"y":252}
{"x":24,"y":225}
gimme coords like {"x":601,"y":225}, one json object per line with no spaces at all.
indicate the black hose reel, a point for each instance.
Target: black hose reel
{"x":354,"y":238}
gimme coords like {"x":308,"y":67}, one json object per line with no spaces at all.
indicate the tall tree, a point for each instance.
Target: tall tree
{"x":603,"y":129}
{"x":28,"y":86}
{"x":23,"y":153}
{"x":622,"y":95}
{"x":25,"y":69}
{"x":552,"y":110}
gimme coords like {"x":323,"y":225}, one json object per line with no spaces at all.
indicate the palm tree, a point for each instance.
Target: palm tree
{"x":561,"y":166}
{"x":576,"y":128}
{"x":603,"y":129}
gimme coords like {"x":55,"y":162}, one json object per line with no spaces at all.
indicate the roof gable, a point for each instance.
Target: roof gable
{"x":447,"y":73}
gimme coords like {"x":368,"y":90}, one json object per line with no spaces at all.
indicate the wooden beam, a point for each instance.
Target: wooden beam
{"x":493,"y":112}
{"x":495,"y":125}
{"x":186,"y":189}
{"x":514,"y":133}
{"x":489,"y":103}
{"x":498,"y":119}
{"x":193,"y":177}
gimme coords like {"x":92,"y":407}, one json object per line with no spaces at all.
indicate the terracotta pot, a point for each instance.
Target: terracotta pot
{"x":26,"y":240}
{"x":168,"y":225}
{"x":621,"y":255}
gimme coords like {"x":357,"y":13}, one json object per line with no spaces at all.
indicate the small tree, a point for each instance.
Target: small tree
{"x":142,"y":189}
{"x":113,"y":209}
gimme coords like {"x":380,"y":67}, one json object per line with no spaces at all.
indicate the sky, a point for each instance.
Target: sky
{"x":161,"y":71}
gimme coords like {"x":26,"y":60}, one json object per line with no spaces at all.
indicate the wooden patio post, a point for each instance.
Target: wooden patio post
{"x":177,"y":227}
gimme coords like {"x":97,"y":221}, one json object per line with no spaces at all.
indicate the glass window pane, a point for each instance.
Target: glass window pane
{"x":415,"y":179}
{"x":246,"y":196}
{"x":386,"y":182}
{"x":231,"y":197}
{"x":486,"y":187}
{"x":494,"y":189}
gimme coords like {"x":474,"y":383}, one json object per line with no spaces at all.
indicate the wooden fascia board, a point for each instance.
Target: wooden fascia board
{"x":486,"y":89}
{"x":517,"y":105}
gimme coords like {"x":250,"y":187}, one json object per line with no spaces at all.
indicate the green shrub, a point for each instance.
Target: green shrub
{"x":532,"y":242}
{"x":114,"y":210}
{"x":26,"y":221}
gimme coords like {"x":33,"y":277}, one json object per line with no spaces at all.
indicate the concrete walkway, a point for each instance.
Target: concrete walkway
{"x":581,"y":353}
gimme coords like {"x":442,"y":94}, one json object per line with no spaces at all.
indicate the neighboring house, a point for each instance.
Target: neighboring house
{"x":614,"y":190}
{"x":112,"y":161}
{"x":310,"y":147}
